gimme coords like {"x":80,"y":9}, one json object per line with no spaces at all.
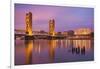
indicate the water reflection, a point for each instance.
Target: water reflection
{"x":49,"y":51}
{"x":52,"y":46}
{"x":28,"y":48}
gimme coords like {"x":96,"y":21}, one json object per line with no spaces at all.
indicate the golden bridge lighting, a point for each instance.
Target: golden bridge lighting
{"x":52,"y":27}
{"x":29,"y":23}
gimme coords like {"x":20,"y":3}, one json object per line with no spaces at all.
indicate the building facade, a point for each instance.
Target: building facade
{"x":83,"y":31}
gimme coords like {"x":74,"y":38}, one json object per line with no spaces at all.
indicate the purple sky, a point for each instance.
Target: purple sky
{"x":66,"y":18}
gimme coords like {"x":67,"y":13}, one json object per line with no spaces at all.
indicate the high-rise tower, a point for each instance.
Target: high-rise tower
{"x":52,"y":27}
{"x":28,"y":23}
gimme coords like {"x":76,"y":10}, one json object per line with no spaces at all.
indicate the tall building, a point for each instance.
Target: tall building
{"x":52,"y":27}
{"x":28,"y":23}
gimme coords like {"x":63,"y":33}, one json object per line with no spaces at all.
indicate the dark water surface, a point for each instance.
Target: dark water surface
{"x":52,"y":51}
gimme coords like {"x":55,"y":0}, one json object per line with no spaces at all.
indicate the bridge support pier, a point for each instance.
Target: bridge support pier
{"x":29,"y":37}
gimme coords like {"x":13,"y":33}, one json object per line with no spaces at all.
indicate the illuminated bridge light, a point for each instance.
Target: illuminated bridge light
{"x":52,"y":27}
{"x":29,"y":23}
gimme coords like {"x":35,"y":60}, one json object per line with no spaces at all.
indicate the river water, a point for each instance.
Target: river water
{"x":41,"y":51}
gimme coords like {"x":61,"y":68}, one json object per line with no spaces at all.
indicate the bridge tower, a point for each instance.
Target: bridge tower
{"x":52,"y":27}
{"x":28,"y":24}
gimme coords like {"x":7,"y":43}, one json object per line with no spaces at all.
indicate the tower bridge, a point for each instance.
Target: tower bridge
{"x":28,"y":33}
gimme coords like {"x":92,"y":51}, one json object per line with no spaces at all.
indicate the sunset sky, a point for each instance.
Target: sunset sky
{"x":66,"y":18}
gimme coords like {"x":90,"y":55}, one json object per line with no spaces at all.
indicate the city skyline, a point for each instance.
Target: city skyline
{"x":66,"y":18}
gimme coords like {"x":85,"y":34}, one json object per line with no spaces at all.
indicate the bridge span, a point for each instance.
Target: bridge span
{"x":42,"y":36}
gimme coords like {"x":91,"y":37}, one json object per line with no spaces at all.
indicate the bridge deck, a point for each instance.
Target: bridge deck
{"x":24,"y":36}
